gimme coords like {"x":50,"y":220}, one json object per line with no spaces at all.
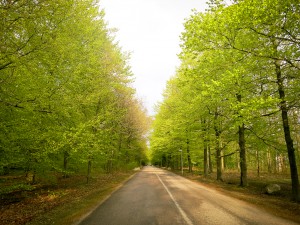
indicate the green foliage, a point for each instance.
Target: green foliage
{"x":228,"y":79}
{"x":16,"y":187}
{"x":65,"y":94}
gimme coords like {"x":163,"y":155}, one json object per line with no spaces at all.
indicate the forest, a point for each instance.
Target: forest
{"x":233,"y":103}
{"x":67,"y":102}
{"x":72,"y":127}
{"x":69,"y":112}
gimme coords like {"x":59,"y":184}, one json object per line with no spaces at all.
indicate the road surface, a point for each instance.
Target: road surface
{"x":158,"y":197}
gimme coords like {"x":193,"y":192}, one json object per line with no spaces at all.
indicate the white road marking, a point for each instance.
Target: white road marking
{"x":183,"y":214}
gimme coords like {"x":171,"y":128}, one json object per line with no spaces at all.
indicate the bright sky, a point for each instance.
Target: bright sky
{"x":150,"y":30}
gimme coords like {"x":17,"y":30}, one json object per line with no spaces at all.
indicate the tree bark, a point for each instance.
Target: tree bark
{"x":210,"y":168}
{"x":269,"y":161}
{"x":189,"y":155}
{"x":242,"y":145}
{"x":218,"y":148}
{"x":243,"y":159}
{"x":66,"y":156}
{"x":287,"y":134}
{"x":89,"y":171}
{"x":205,"y":153}
{"x":206,"y":165}
{"x":258,"y":164}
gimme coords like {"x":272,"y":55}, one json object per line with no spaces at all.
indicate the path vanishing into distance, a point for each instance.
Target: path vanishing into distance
{"x":155,"y":196}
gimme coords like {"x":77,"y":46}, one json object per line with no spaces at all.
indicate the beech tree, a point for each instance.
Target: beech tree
{"x":65,"y":90}
{"x":240,"y":64}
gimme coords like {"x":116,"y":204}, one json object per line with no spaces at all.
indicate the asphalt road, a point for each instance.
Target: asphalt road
{"x":154,"y":196}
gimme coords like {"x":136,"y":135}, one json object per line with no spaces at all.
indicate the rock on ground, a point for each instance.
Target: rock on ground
{"x":272,"y":189}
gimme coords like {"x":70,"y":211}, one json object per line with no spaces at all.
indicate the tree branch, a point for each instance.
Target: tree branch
{"x":264,"y":140}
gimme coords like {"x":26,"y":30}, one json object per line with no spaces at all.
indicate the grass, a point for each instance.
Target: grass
{"x":73,"y":211}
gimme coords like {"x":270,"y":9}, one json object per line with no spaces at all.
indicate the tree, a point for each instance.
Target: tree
{"x":66,"y":90}
{"x":244,"y":41}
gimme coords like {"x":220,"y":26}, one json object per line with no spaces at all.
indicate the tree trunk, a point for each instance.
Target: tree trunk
{"x":237,"y":160}
{"x":89,"y":171}
{"x":205,"y":150}
{"x":109,"y":165}
{"x":31,"y":177}
{"x":66,"y":156}
{"x":210,"y":168}
{"x":223,"y":166}
{"x":243,"y":159}
{"x":218,"y":158}
{"x":218,"y":148}
{"x":287,"y":134}
{"x":118,"y":159}
{"x":258,"y":164}
{"x":169,"y":160}
{"x":242,"y":145}
{"x":269,"y":161}
{"x":188,"y":155}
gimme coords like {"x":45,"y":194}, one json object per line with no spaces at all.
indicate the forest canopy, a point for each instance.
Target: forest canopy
{"x":234,"y":101}
{"x":67,"y":102}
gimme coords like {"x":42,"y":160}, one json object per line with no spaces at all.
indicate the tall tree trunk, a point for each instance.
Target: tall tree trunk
{"x":169,"y":158}
{"x":189,"y":155}
{"x":218,"y":148}
{"x":210,"y":168}
{"x":206,"y":165}
{"x":258,"y":164}
{"x":242,"y":145}
{"x":269,"y":161}
{"x":118,"y":159}
{"x":66,"y":156}
{"x":277,"y":163}
{"x":89,"y":171}
{"x":218,"y":157}
{"x":287,"y":133}
{"x":223,"y":166}
{"x":243,"y":159}
{"x":237,"y":161}
{"x":205,"y":150}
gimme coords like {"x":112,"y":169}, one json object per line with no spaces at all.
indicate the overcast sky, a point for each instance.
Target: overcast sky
{"x":150,"y":30}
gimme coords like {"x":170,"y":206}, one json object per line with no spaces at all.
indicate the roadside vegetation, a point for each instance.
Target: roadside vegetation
{"x":233,"y":104}
{"x":63,"y":203}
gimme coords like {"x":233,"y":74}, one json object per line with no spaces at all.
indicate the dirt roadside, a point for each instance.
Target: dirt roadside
{"x":58,"y":204}
{"x":279,"y":204}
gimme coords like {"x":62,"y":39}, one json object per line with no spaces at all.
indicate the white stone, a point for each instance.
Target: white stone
{"x":272,"y":189}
